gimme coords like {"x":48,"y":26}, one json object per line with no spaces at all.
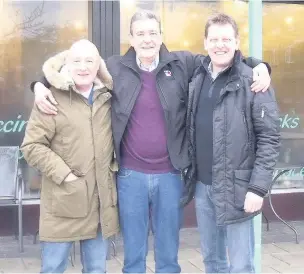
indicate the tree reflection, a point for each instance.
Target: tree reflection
{"x":32,"y":32}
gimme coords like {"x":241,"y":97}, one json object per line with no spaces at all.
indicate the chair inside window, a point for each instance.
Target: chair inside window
{"x":11,"y":186}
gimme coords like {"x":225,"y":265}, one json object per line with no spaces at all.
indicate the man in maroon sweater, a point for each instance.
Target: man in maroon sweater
{"x":149,"y":102}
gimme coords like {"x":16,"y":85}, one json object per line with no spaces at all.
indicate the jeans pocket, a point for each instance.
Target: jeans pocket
{"x":241,"y":182}
{"x":70,"y":199}
{"x":124,"y":172}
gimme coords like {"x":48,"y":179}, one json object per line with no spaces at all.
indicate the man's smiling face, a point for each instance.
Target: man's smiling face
{"x":83,"y":62}
{"x":146,"y":38}
{"x":221,"y":44}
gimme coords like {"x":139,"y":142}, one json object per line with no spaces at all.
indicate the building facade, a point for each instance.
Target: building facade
{"x":32,"y":31}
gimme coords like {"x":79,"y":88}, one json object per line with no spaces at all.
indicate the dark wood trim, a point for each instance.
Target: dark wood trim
{"x":105,"y":25}
{"x":116,"y":27}
{"x":109,"y":29}
{"x":98,"y":26}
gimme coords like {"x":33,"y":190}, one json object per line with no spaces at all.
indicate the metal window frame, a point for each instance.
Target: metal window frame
{"x":104,"y":26}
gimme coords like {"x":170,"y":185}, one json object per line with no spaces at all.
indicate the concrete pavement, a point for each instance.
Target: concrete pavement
{"x":281,"y":256}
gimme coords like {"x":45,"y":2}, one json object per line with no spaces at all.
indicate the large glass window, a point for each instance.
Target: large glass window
{"x":183,"y":22}
{"x":30,"y":32}
{"x":283,"y":48}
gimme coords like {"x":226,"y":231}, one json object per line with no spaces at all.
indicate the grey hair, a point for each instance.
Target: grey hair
{"x":144,"y":14}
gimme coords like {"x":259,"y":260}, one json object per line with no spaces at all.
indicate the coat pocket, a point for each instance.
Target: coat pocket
{"x":112,"y":182}
{"x":241,"y":182}
{"x":70,"y":199}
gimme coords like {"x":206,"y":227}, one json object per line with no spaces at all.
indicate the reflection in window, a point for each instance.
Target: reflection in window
{"x":283,"y":47}
{"x":183,"y":22}
{"x":31,"y":31}
{"x":273,"y":60}
{"x":288,"y":58}
{"x":283,"y":34}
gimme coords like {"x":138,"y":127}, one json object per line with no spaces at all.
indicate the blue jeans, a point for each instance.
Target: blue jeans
{"x":93,"y":253}
{"x":138,"y":193}
{"x":216,"y":241}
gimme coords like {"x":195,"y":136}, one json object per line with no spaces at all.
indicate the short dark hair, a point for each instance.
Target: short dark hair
{"x":221,"y":19}
{"x":144,"y":14}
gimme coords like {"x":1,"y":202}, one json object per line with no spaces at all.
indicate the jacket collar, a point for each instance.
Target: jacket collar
{"x":233,"y":82}
{"x":235,"y":66}
{"x":165,"y":57}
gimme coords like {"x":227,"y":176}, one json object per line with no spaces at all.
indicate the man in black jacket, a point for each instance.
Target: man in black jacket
{"x":234,"y":145}
{"x":149,"y":104}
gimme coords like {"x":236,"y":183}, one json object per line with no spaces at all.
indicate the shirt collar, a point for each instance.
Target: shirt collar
{"x":215,"y":74}
{"x":153,"y":65}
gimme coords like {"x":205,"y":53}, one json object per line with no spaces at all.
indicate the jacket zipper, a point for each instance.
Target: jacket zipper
{"x":92,"y":131}
{"x":221,"y":96}
{"x":246,"y":127}
{"x":262,"y":112}
{"x":167,"y":121}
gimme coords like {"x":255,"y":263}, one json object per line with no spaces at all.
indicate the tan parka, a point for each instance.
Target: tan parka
{"x":78,"y":139}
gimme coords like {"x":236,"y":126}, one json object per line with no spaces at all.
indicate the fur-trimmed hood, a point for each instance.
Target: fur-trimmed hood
{"x":55,"y":72}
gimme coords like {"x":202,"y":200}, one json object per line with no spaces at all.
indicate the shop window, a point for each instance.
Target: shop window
{"x":31,"y":31}
{"x":283,"y":26}
{"x":283,"y":47}
{"x":183,"y":21}
{"x":288,"y":55}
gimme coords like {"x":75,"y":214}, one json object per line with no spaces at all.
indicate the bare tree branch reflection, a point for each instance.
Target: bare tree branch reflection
{"x":29,"y":22}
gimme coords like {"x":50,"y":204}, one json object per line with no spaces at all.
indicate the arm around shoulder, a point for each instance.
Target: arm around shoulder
{"x":42,"y":81}
{"x":191,"y":61}
{"x":253,"y":62}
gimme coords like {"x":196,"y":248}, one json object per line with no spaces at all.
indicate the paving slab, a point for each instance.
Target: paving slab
{"x":149,"y":270}
{"x":291,"y":270}
{"x":198,"y":250}
{"x":185,"y":254}
{"x":150,"y":257}
{"x":293,"y":259}
{"x":291,"y":247}
{"x":120,"y":258}
{"x":187,"y":267}
{"x":198,"y":263}
{"x":31,"y":264}
{"x":272,"y":248}
{"x":270,"y":260}
{"x":268,"y":269}
{"x":280,"y":254}
{"x":114,"y":269}
{"x":151,"y":266}
{"x":11,"y":265}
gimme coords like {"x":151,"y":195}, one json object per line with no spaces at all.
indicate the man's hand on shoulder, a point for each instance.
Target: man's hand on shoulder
{"x":44,"y":99}
{"x":261,"y":78}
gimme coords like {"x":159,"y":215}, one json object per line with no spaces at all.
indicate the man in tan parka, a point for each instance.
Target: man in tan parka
{"x":74,"y":152}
